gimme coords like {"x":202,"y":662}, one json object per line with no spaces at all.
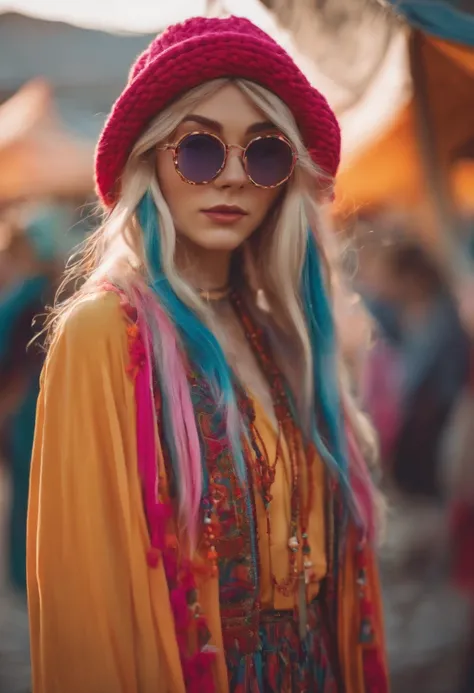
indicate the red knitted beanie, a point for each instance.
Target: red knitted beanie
{"x":196,"y":51}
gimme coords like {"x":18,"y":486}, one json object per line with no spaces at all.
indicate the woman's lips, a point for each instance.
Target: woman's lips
{"x":224,"y":215}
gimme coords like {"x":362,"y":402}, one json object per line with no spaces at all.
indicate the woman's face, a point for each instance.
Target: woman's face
{"x":233,"y":117}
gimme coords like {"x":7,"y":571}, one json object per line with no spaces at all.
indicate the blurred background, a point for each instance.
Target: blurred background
{"x":400,"y":75}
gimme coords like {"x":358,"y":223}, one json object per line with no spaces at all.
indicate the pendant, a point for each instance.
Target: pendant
{"x":308,"y":570}
{"x":302,"y":607}
{"x":293,"y":544}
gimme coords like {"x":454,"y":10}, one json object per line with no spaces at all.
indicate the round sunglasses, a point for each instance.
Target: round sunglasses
{"x":199,"y":157}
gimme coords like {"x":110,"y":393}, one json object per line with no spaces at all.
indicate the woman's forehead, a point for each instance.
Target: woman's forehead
{"x":229,"y":110}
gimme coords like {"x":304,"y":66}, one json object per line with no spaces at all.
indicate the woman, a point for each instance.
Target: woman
{"x":193,"y":524}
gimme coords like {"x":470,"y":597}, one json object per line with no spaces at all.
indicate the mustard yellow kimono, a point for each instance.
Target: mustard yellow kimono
{"x":100,"y":617}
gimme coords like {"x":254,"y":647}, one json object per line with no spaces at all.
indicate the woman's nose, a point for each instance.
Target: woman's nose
{"x":233,"y":172}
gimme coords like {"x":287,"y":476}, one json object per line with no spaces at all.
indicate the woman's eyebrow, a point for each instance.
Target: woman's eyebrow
{"x":202,"y":120}
{"x":261,"y":127}
{"x":215,"y":125}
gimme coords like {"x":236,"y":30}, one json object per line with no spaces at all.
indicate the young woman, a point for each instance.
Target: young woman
{"x":195,"y":524}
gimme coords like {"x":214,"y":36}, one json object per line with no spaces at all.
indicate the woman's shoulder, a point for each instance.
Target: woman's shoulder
{"x":90,"y":337}
{"x":93,"y":320}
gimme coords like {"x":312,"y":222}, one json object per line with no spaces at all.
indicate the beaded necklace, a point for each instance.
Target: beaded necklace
{"x":266,"y":470}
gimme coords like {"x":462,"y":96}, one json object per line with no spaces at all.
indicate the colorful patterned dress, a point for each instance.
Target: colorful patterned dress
{"x":115,"y":604}
{"x":263,"y":649}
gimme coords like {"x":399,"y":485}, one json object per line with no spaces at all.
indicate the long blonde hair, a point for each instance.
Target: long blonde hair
{"x":116,"y":250}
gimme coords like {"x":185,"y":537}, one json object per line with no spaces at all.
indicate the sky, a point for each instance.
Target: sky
{"x":120,"y":15}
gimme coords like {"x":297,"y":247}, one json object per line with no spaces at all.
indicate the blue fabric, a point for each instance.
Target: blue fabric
{"x":48,"y":232}
{"x":445,"y":19}
{"x":436,"y":348}
{"x":386,"y":316}
{"x":13,"y":302}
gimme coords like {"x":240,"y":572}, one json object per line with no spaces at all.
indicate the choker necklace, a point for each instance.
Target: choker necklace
{"x":212,"y":295}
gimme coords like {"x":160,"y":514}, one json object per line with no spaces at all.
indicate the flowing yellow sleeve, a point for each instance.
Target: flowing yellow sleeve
{"x":91,"y":610}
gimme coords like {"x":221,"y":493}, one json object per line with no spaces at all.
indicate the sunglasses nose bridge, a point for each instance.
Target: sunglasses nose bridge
{"x":239,"y":153}
{"x":234,"y":166}
{"x":235,"y":146}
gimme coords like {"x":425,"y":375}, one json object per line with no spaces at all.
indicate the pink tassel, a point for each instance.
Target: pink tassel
{"x":146,"y":446}
{"x":180,"y":608}
{"x":198,"y":673}
{"x":158,"y":516}
{"x":375,"y":676}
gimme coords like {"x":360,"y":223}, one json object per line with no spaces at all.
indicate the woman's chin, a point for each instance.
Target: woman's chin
{"x":218,"y":239}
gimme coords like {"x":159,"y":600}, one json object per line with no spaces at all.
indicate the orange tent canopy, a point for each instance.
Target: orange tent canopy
{"x":388,"y":172}
{"x":37,"y":156}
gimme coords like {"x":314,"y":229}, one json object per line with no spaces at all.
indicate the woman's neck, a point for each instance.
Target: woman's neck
{"x":204,"y":269}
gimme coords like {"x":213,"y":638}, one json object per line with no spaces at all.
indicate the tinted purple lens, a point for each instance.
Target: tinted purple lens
{"x":199,"y":157}
{"x":269,"y":161}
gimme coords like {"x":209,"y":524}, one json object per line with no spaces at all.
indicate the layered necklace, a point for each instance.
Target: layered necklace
{"x":300,"y":571}
{"x":301,"y":461}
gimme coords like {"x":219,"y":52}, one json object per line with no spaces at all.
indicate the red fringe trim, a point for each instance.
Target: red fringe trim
{"x":197,"y":666}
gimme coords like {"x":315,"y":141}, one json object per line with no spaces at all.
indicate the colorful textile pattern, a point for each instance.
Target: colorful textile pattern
{"x":235,"y":541}
{"x":283,"y":663}
{"x":264,"y":652}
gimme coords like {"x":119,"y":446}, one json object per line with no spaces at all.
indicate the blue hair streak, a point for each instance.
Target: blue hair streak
{"x":328,"y":429}
{"x":199,"y":343}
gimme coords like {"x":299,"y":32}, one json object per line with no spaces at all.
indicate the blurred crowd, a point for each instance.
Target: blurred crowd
{"x":417,"y":386}
{"x":36,"y":236}
{"x":31,"y":263}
